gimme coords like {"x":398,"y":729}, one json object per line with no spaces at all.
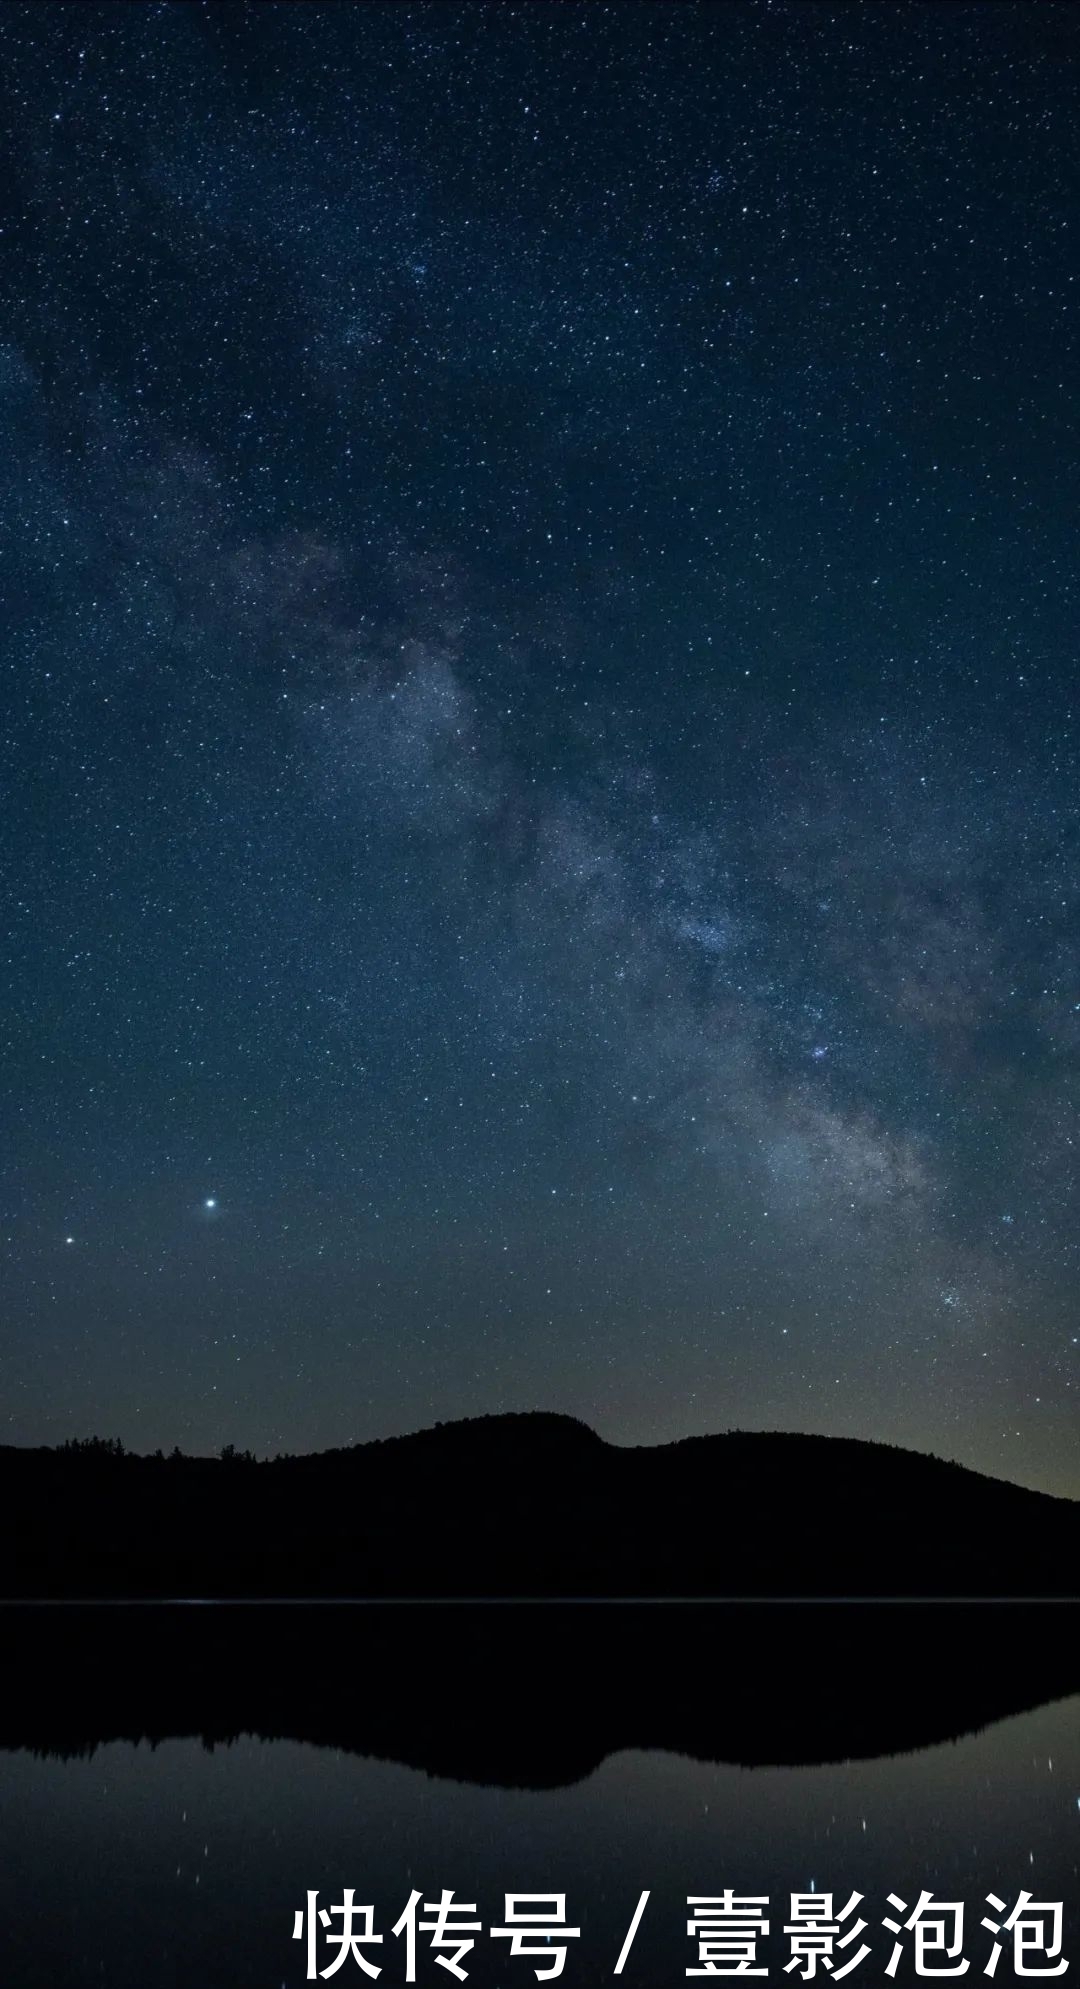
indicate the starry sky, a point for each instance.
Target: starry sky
{"x":539,"y":750}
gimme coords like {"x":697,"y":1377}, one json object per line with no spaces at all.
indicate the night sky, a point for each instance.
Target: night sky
{"x":540,"y":758}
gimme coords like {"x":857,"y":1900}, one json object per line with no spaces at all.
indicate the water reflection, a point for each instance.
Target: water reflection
{"x":536,"y":1696}
{"x":179,"y":1862}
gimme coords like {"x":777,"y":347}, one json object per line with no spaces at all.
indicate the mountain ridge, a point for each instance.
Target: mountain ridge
{"x":537,"y":1420}
{"x":530,"y":1504}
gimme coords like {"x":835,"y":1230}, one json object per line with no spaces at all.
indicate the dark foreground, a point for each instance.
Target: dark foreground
{"x":527,"y":1505}
{"x":534,"y":1695}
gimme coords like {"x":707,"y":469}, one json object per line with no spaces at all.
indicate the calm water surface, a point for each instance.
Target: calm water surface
{"x":182,"y":1863}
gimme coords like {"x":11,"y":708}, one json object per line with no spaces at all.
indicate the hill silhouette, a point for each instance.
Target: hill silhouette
{"x":530,"y":1505}
{"x":534,"y":1696}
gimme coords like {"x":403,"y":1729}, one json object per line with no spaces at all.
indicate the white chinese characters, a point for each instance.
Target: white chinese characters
{"x":730,"y":1930}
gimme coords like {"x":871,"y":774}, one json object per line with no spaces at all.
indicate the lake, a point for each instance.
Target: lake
{"x":181,"y":1859}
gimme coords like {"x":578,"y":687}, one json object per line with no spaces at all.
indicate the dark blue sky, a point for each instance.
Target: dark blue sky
{"x":540,"y":749}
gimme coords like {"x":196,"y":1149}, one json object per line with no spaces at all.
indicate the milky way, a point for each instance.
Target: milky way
{"x":540,"y":762}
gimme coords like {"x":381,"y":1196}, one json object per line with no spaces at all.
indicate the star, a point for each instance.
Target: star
{"x":525,"y":787}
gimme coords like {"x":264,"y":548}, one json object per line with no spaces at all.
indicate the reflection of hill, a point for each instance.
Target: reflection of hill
{"x":535,"y":1695}
{"x":531,"y":1505}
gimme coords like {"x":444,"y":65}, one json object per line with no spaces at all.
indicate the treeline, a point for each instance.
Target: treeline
{"x":96,"y":1446}
{"x":528,"y":1505}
